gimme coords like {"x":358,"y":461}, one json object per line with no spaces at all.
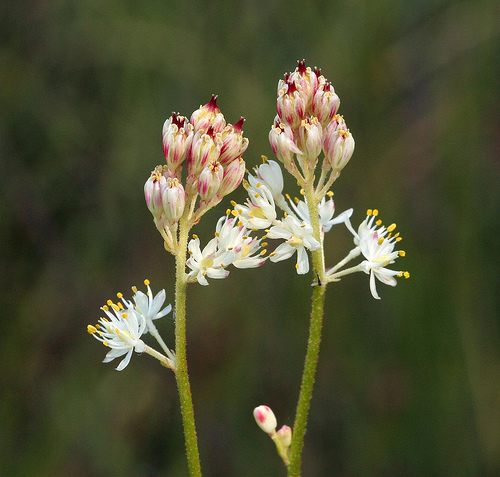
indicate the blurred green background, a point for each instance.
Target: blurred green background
{"x":409,"y":385}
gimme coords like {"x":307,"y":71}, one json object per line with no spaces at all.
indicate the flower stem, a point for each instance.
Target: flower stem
{"x":181,"y":373}
{"x":315,"y":327}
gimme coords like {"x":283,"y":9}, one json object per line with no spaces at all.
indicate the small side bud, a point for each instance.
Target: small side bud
{"x":285,"y":435}
{"x":265,"y":419}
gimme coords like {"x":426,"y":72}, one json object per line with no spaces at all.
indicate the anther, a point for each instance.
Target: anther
{"x":391,"y":227}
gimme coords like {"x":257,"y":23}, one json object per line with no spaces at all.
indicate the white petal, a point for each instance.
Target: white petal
{"x":373,"y":288}
{"x":302,"y":261}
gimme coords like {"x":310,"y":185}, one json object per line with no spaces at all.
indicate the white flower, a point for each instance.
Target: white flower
{"x":121,"y":331}
{"x":260,"y":209}
{"x":149,"y":306}
{"x":211,"y":262}
{"x":298,"y":236}
{"x":326,"y":211}
{"x":235,"y":238}
{"x":377,"y":243}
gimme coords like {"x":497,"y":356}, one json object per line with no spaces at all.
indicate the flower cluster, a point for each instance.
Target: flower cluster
{"x":127,"y":321}
{"x":232,"y":245}
{"x":212,"y":152}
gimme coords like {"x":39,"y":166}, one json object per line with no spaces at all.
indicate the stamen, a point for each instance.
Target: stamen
{"x":375,"y":212}
{"x":195,"y":236}
{"x":146,"y":282}
{"x":369,"y":212}
{"x":380,"y":240}
{"x":119,"y":295}
{"x":91,"y":329}
{"x":402,"y":253}
{"x":233,"y":203}
{"x":406,"y":274}
{"x":391,"y":227}
{"x":134,"y":289}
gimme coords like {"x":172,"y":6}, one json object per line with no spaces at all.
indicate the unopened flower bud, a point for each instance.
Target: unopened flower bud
{"x":265,"y":419}
{"x":233,"y":175}
{"x":283,"y":144}
{"x":307,"y":79}
{"x":174,"y":200}
{"x":291,"y":103}
{"x":205,"y":149}
{"x":310,"y":138}
{"x":210,"y":180}
{"x":338,"y":146}
{"x":325,"y":103}
{"x":153,"y":191}
{"x":208,"y":116}
{"x":285,"y":434}
{"x":233,"y":143}
{"x":177,"y":138}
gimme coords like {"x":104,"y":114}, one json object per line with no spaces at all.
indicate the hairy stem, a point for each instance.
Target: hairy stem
{"x":181,"y":373}
{"x":315,"y":327}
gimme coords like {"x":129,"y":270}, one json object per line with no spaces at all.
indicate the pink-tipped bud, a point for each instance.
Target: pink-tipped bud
{"x":233,"y":175}
{"x":265,"y":419}
{"x":210,"y":180}
{"x":338,"y":145}
{"x":208,"y":116}
{"x":285,"y":435}
{"x":325,"y":103}
{"x":233,"y":143}
{"x":177,"y":137}
{"x":291,"y":103}
{"x":174,"y":200}
{"x":205,"y":149}
{"x":153,"y":189}
{"x":310,"y":138}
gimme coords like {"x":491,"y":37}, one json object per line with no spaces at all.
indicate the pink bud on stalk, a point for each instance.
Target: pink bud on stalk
{"x":210,"y":180}
{"x":205,"y":149}
{"x":233,"y":143}
{"x":174,"y":200}
{"x":153,"y":189}
{"x":325,"y":103}
{"x":291,"y":103}
{"x":306,"y":79}
{"x":208,"y":116}
{"x":283,"y":144}
{"x":265,"y":419}
{"x":233,"y":175}
{"x":338,"y":145}
{"x":310,"y":138}
{"x":177,"y":137}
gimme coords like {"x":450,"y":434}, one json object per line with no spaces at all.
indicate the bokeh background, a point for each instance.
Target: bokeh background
{"x":409,"y":385}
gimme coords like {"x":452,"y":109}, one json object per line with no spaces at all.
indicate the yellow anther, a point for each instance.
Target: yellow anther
{"x":146,"y":282}
{"x":109,"y":302}
{"x":250,"y":215}
{"x":264,"y":244}
{"x":115,"y":307}
{"x":391,"y":227}
{"x":120,"y":306}
{"x":105,"y":307}
{"x":105,"y":343}
{"x":285,"y":214}
{"x":233,"y":203}
{"x":272,"y":254}
{"x":369,"y":212}
{"x":375,"y":212}
{"x":245,"y":237}
{"x":297,"y":266}
{"x":396,"y":235}
{"x":124,"y":315}
{"x":222,"y":265}
{"x":258,"y":184}
{"x":296,"y":200}
{"x":398,"y":239}
{"x":402,"y":253}
{"x":263,"y":252}
{"x":91,"y":329}
{"x":240,"y":211}
{"x":134,"y":289}
{"x":234,"y":213}
{"x":217,"y":234}
{"x":190,"y":252}
{"x":240,"y":223}
{"x":302,"y":192}
{"x":195,"y":236}
{"x":379,"y":222}
{"x":406,"y":274}
{"x":329,"y":193}
{"x":264,"y":159}
{"x":228,"y":211}
{"x":287,"y":196}
{"x":119,"y":295}
{"x":380,"y":240}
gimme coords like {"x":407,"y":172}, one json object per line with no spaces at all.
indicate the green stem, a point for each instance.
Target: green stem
{"x":181,"y":373}
{"x":315,"y":327}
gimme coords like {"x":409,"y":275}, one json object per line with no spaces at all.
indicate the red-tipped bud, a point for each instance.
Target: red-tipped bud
{"x":291,"y":103}
{"x":174,"y":200}
{"x":208,"y":116}
{"x":233,"y":143}
{"x":233,"y":175}
{"x":210,"y":180}
{"x":265,"y":419}
{"x":306,"y":80}
{"x":177,"y":136}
